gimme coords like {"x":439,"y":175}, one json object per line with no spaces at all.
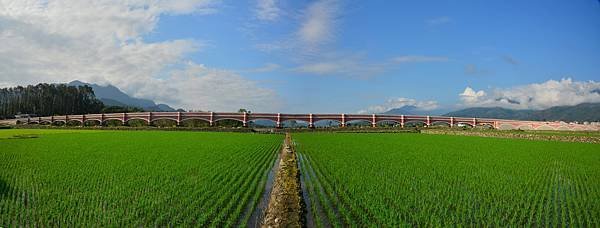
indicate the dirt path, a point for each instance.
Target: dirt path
{"x":285,"y":204}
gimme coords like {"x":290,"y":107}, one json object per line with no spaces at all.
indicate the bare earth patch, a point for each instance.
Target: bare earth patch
{"x":564,"y":137}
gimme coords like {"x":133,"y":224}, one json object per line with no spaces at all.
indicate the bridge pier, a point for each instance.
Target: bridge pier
{"x":373,"y":121}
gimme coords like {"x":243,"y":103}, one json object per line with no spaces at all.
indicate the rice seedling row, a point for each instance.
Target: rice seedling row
{"x":442,"y":180}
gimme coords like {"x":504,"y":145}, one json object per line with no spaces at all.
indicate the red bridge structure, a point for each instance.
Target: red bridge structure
{"x":343,"y":119}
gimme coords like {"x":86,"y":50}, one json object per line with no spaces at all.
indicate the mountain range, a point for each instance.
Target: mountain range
{"x":113,"y":96}
{"x":580,"y":113}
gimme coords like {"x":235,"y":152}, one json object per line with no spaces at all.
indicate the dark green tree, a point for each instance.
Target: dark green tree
{"x":48,"y":99}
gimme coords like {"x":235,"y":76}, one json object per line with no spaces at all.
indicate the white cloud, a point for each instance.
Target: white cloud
{"x":101,"y":42}
{"x":535,"y":96}
{"x":354,"y":66}
{"x":471,"y":96}
{"x":319,"y":24}
{"x":267,"y":10}
{"x":317,"y":27}
{"x":357,"y":66}
{"x":399,"y":103}
{"x":203,"y":88}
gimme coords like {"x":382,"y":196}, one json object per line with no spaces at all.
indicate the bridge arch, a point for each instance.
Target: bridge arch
{"x":112,"y":122}
{"x":75,"y":120}
{"x":109,"y":119}
{"x":164,"y":118}
{"x":164,"y":122}
{"x":387,"y":121}
{"x":358,"y":123}
{"x":263,"y":122}
{"x":294,"y":123}
{"x":194,"y":122}
{"x":415,"y":123}
{"x":224,"y":121}
{"x":440,"y":123}
{"x":464,"y":124}
{"x":59,"y":122}
{"x":227,"y":118}
{"x":195,"y":118}
{"x":137,"y":122}
{"x":92,"y":122}
{"x":319,"y":123}
{"x":137,"y":118}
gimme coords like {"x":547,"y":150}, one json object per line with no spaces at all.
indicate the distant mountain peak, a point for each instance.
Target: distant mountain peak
{"x":113,"y":96}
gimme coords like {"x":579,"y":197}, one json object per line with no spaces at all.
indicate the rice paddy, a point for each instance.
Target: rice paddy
{"x":132,"y":178}
{"x":441,"y":180}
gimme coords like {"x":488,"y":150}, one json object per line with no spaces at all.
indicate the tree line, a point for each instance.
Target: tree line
{"x":48,"y":99}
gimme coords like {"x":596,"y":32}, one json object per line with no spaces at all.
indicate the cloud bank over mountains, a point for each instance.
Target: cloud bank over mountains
{"x":534,"y":96}
{"x":102,"y":42}
{"x":537,"y":96}
{"x":401,"y":102}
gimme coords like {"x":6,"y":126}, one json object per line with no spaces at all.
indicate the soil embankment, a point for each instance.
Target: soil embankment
{"x":585,"y":137}
{"x":285,"y":204}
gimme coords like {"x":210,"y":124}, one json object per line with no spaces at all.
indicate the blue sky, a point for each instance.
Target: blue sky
{"x":362,"y":56}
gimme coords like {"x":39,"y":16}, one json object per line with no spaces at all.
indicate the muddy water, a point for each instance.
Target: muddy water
{"x":308,"y":215}
{"x":320,"y":210}
{"x":259,"y":210}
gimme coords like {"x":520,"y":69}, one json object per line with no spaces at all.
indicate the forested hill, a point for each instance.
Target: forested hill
{"x":581,"y":112}
{"x":48,"y":99}
{"x":113,"y":96}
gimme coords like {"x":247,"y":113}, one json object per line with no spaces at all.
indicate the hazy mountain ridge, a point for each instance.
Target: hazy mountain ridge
{"x":581,"y":112}
{"x":113,"y":96}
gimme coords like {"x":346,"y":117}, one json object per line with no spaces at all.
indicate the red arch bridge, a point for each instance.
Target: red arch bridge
{"x":342,"y":119}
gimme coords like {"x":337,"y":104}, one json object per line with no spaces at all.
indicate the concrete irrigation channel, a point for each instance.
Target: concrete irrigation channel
{"x":285,"y":208}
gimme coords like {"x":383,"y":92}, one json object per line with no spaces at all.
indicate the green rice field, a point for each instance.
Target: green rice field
{"x":131,"y":178}
{"x":391,"y":180}
{"x":165,"y":178}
